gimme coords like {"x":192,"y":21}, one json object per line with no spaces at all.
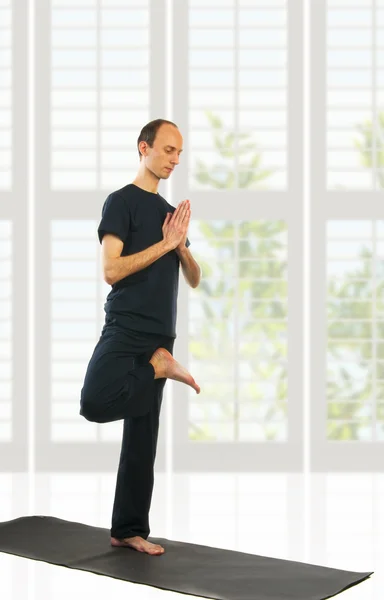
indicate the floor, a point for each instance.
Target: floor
{"x":334,"y":520}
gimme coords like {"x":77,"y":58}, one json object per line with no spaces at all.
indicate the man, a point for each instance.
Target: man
{"x":143,"y":246}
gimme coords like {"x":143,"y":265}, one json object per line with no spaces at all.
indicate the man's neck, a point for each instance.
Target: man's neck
{"x":148,"y":186}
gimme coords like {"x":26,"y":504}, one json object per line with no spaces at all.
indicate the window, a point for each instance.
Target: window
{"x":101,"y":68}
{"x":347,"y":234}
{"x":355,"y":390}
{"x":13,"y":241}
{"x":6,"y":94}
{"x":95,"y":60}
{"x":6,"y":329}
{"x":355,"y":95}
{"x":238,"y":105}
{"x":5,"y":224}
{"x":99,"y":74}
{"x":77,"y":299}
{"x":237,"y":90}
{"x":238,"y":332}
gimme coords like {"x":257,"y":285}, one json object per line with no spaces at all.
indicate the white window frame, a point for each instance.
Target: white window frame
{"x":286,"y":205}
{"x":77,"y":204}
{"x":14,"y":207}
{"x":327,"y":205}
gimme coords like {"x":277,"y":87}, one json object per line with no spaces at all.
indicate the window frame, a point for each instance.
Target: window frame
{"x":328,"y":205}
{"x":14,"y":208}
{"x":281,"y":205}
{"x":54,"y":205}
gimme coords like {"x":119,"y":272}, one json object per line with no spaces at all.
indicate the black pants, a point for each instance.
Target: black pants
{"x":120,"y":384}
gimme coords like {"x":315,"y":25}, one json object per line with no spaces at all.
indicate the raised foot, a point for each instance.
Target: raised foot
{"x":166,"y":366}
{"x":138,"y":543}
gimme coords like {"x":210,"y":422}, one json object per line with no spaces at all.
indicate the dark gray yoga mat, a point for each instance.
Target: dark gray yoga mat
{"x":186,"y":568}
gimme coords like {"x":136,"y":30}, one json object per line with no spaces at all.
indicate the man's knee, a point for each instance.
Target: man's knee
{"x":89,"y":408}
{"x":88,"y":411}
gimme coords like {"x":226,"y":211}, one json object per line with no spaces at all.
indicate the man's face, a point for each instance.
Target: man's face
{"x":163,"y":157}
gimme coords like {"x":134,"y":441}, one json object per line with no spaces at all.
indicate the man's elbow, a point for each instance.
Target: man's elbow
{"x":109,"y":276}
{"x":199,"y":277}
{"x":195,"y":283}
{"x":108,"y":279}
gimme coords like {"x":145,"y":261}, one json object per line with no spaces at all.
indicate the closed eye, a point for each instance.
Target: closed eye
{"x":170,"y":150}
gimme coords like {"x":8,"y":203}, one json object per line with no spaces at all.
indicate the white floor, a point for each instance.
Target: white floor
{"x":334,"y":520}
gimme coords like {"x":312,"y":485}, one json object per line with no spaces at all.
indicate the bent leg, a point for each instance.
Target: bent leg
{"x":116,"y":386}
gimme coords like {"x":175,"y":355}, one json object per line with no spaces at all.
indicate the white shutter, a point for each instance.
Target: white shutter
{"x":6,"y":365}
{"x":237,"y":71}
{"x":5,"y":94}
{"x":242,"y":83}
{"x":355,"y":94}
{"x":347,"y":331}
{"x":95,"y":61}
{"x":76,"y":295}
{"x":355,"y":322}
{"x":243,"y":298}
{"x":5,"y":225}
{"x":99,"y":91}
{"x":13,"y":235}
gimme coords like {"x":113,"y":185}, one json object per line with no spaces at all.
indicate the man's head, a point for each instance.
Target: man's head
{"x":160,"y":145}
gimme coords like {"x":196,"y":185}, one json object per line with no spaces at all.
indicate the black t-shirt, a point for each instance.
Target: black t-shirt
{"x":146,"y":300}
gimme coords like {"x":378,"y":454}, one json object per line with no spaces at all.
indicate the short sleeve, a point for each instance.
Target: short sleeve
{"x":115,"y":217}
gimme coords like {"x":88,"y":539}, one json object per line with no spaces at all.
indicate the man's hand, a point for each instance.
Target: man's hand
{"x":175,"y":226}
{"x":190,"y":268}
{"x":182,"y":246}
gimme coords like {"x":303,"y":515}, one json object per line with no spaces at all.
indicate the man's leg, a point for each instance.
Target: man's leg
{"x":114,"y":380}
{"x":135,"y":476}
{"x":117,"y":385}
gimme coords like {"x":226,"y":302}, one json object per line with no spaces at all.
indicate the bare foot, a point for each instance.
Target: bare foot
{"x":138,"y":543}
{"x":166,"y":366}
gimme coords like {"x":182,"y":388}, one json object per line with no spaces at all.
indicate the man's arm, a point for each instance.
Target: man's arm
{"x":191,"y":270}
{"x":117,"y":267}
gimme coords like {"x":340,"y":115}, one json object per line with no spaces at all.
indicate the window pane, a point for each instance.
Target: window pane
{"x":77,"y":300}
{"x":355,"y":147}
{"x":6,"y":305}
{"x":251,"y":76}
{"x":99,"y":91}
{"x":238,"y":331}
{"x":355,"y":309}
{"x":6,"y":96}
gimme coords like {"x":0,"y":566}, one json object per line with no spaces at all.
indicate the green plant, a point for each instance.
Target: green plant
{"x":222,"y":175}
{"x":221,"y":297}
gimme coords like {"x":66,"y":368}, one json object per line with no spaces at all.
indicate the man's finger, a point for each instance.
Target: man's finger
{"x":181,"y":204}
{"x":183,"y":208}
{"x":177,"y":209}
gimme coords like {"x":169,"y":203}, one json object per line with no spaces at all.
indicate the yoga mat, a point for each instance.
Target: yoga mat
{"x":186,"y":568}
